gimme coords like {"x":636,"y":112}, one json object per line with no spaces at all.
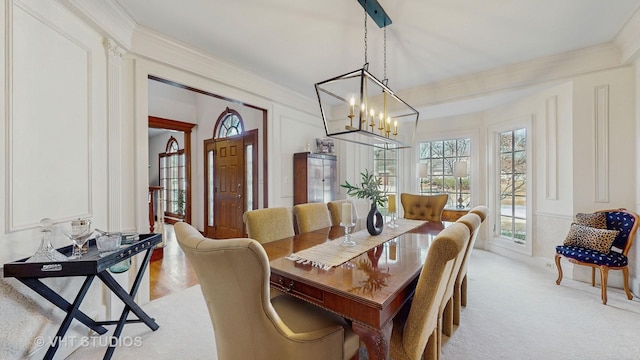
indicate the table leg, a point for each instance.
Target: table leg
{"x":57,"y":300}
{"x":376,"y":340}
{"x":127,"y":298}
{"x":71,"y":314}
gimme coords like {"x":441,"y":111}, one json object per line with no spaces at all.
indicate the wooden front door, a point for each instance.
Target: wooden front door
{"x":224,"y":161}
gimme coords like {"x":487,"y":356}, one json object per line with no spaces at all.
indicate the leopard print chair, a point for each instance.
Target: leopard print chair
{"x":601,"y":241}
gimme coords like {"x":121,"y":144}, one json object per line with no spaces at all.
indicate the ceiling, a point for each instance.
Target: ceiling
{"x":298,"y":43}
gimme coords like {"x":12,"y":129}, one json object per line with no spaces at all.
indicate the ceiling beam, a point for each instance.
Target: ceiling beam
{"x":376,"y":12}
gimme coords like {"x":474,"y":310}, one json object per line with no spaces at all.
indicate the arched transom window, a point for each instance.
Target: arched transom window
{"x":229,"y":124}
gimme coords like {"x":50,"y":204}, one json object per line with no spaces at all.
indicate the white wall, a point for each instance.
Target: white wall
{"x":54,"y":163}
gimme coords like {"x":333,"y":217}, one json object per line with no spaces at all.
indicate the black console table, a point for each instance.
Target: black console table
{"x":90,"y":266}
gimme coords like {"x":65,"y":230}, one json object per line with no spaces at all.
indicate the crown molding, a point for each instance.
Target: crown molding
{"x":107,"y":17}
{"x":161,"y":49}
{"x":628,"y":38}
{"x":534,"y":72}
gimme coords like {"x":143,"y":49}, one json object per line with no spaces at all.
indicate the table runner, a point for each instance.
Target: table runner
{"x":331,"y":253}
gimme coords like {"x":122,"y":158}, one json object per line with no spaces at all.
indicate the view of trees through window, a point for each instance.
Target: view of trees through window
{"x":385,"y":164}
{"x":437,"y":161}
{"x":513,"y":184}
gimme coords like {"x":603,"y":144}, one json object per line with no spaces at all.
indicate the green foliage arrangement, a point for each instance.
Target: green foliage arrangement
{"x":370,"y":188}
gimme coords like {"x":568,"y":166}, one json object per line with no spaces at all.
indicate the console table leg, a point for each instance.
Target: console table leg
{"x":57,"y":300}
{"x":71,"y":314}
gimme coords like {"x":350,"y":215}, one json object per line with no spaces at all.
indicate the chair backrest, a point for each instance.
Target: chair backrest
{"x":312,"y":216}
{"x":335,"y":209}
{"x":626,"y":222}
{"x":423,"y":207}
{"x":448,"y":293}
{"x":473,"y":222}
{"x":269,"y":224}
{"x":240,"y":311}
{"x":436,"y":272}
{"x":481,"y":211}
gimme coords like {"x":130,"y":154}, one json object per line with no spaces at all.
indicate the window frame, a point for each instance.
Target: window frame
{"x":453,"y":196}
{"x":180,"y":156}
{"x":495,"y":238}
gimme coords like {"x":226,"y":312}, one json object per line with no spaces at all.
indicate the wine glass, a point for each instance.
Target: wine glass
{"x":78,"y":231}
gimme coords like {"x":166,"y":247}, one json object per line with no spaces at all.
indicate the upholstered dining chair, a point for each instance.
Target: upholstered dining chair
{"x":311,"y":216}
{"x":446,"y":307}
{"x":473,"y":222}
{"x":601,"y":241}
{"x":483,"y":212}
{"x":423,"y":207}
{"x":335,"y":210}
{"x":269,"y":224}
{"x":419,"y":333}
{"x":247,"y":324}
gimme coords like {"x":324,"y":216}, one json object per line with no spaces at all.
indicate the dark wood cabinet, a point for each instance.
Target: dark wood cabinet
{"x":315,"y":178}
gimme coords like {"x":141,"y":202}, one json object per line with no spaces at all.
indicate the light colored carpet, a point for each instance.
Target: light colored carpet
{"x":514,"y":312}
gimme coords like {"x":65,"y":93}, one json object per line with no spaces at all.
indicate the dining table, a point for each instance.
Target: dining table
{"x":368,"y":289}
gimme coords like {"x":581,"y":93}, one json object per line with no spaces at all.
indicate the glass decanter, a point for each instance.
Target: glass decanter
{"x":46,"y":252}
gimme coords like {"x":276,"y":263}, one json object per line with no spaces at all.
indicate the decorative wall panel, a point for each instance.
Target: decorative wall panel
{"x":49,"y":123}
{"x":601,"y":143}
{"x":552,"y":147}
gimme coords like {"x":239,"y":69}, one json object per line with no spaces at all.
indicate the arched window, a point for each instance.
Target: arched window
{"x":229,"y":124}
{"x":173,"y":178}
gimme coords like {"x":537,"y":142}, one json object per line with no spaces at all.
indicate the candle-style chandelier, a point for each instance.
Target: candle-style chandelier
{"x":357,"y":107}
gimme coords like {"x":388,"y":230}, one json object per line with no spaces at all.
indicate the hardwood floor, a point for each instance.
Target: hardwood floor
{"x":172,"y":272}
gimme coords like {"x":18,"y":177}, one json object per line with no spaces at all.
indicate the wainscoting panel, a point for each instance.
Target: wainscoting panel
{"x":49,"y":123}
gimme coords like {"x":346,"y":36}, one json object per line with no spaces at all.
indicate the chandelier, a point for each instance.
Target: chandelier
{"x":359,"y":108}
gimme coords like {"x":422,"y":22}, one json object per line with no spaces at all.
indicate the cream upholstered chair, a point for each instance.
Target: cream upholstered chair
{"x":311,"y":216}
{"x":473,"y":222}
{"x":269,"y":224}
{"x":446,"y":307}
{"x":423,"y":207}
{"x":335,"y":209}
{"x":419,"y":334}
{"x":234,"y":278}
{"x":481,"y":211}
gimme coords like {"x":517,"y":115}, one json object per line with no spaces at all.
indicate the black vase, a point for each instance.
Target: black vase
{"x":375,"y":222}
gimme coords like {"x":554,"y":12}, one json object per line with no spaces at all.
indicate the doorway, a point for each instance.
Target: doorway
{"x":230,"y":176}
{"x":185,"y":128}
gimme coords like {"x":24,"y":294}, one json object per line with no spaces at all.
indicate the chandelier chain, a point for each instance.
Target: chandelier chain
{"x":385,"y":53}
{"x":365,"y":35}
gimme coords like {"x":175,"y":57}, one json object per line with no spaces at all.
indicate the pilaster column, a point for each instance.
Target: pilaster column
{"x":114,"y":145}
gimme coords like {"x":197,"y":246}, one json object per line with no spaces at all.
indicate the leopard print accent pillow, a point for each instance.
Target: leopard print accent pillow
{"x":590,"y":238}
{"x":595,"y":220}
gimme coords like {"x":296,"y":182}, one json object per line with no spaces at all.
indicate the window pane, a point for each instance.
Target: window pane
{"x":440,"y":158}
{"x":249,"y":177}
{"x":513,"y":189}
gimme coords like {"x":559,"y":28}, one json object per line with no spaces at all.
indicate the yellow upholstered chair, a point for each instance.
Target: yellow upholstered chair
{"x":473,"y":222}
{"x":601,"y":241}
{"x":234,"y":278}
{"x":266,"y":225}
{"x":419,"y":334}
{"x":311,"y":216}
{"x":335,"y":209}
{"x":423,"y":207}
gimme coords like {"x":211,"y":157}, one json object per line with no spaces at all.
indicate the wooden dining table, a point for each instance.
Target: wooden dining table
{"x":369,"y":290}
